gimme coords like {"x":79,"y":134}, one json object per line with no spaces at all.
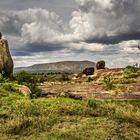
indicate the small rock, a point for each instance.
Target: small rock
{"x":24,"y":90}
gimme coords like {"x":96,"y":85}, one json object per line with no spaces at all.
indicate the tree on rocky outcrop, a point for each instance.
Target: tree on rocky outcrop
{"x":6,"y":62}
{"x":89,"y":71}
{"x":100,"y":65}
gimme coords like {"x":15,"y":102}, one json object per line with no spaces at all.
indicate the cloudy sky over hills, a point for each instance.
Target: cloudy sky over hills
{"x":41,"y":31}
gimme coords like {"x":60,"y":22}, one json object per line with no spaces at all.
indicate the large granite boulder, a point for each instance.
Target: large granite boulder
{"x":100,"y":65}
{"x":89,"y":71}
{"x":6,"y":62}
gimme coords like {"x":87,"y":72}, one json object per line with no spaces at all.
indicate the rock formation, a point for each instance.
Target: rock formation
{"x":89,"y":71}
{"x":23,"y":90}
{"x":6,"y":62}
{"x":100,"y":65}
{"x":108,"y":72}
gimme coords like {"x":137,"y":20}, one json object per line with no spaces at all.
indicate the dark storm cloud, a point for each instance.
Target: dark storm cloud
{"x":90,"y":29}
{"x":44,"y":47}
{"x":36,"y":47}
{"x":115,"y":39}
{"x":20,"y":53}
{"x":107,"y":21}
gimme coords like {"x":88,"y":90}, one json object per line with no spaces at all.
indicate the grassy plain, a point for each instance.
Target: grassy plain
{"x":67,"y":119}
{"x":61,"y":118}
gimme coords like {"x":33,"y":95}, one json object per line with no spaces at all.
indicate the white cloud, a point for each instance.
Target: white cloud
{"x":130,"y":46}
{"x":93,"y":19}
{"x":87,"y":47}
{"x":33,"y":24}
{"x":97,"y":18}
{"x":42,"y":26}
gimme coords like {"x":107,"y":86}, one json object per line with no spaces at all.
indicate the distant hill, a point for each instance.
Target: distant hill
{"x":64,"y":66}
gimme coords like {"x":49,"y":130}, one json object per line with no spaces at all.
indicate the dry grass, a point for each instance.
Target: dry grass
{"x":64,"y":118}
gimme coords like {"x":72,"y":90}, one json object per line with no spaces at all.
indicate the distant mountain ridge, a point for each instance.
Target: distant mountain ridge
{"x":63,"y":66}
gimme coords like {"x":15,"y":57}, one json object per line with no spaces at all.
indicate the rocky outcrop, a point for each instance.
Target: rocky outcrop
{"x":100,"y":65}
{"x":108,"y":72}
{"x":89,"y":71}
{"x":93,"y":90}
{"x":6,"y":62}
{"x":23,"y":90}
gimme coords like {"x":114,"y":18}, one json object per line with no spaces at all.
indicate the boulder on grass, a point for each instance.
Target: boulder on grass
{"x":23,"y":90}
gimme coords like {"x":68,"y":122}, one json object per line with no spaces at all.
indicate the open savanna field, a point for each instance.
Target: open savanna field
{"x":69,"y":69}
{"x":87,"y":108}
{"x":67,"y":119}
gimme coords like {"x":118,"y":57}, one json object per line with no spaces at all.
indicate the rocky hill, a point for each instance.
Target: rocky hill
{"x":64,"y":66}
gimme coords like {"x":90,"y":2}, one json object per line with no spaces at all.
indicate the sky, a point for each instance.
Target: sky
{"x":43,"y":31}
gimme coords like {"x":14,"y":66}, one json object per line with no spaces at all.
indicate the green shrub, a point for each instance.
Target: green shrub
{"x":2,"y":79}
{"x":65,"y":77}
{"x":41,"y":78}
{"x":30,"y":81}
{"x":25,"y":77}
{"x":8,"y":87}
{"x":36,"y":92}
{"x":90,"y":79}
{"x":127,"y":80}
{"x":108,"y":81}
{"x":92,"y":103}
{"x":130,"y":72}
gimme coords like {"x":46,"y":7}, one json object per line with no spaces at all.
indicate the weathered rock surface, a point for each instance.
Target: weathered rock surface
{"x":23,"y":90}
{"x":100,"y":65}
{"x":6,"y":62}
{"x":81,"y":91}
{"x":89,"y":71}
{"x":108,"y":72}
